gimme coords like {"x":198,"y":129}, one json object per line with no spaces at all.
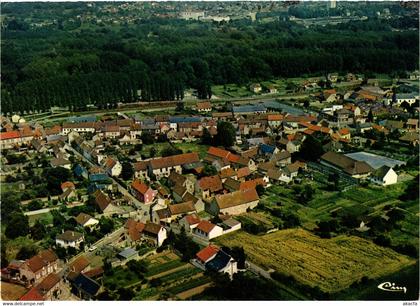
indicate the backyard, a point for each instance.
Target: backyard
{"x":166,"y":277}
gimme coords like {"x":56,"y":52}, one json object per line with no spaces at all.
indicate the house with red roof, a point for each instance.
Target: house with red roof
{"x":163,"y":166}
{"x":32,"y":295}
{"x":10,"y":139}
{"x":208,"y":186}
{"x":143,"y":192}
{"x":49,"y":289}
{"x":214,"y":259}
{"x":190,"y":222}
{"x":38,"y":266}
{"x":137,"y":232}
{"x":207,"y":230}
{"x":274,"y":120}
{"x":112,"y":166}
{"x":204,"y":106}
{"x":344,"y":133}
{"x":207,"y":254}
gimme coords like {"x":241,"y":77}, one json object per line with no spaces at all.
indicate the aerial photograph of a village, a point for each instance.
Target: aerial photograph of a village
{"x":222,"y":151}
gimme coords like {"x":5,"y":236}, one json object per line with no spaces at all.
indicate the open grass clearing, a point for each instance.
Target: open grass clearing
{"x":331,"y":264}
{"x":45,"y":218}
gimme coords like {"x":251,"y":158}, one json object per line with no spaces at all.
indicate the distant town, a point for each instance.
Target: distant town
{"x":294,"y":187}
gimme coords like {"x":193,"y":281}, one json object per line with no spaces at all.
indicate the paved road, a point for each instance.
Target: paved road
{"x":257,"y":270}
{"x":108,"y":239}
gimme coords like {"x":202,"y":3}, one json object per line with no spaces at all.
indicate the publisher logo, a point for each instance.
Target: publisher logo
{"x":388,"y":286}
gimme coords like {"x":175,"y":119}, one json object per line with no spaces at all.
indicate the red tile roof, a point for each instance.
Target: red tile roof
{"x":32,"y":295}
{"x":134,"y":229}
{"x":208,"y":252}
{"x":275,"y":117}
{"x":140,"y":187}
{"x":174,"y":160}
{"x":236,"y":198}
{"x":192,"y":219}
{"x":94,"y":272}
{"x":43,"y":259}
{"x":212,"y":183}
{"x":9,"y":135}
{"x":218,"y":152}
{"x":67,"y":185}
{"x":48,"y":283}
{"x":228,"y":172}
{"x":344,"y":131}
{"x":203,"y":105}
{"x":141,"y":165}
{"x":243,"y":172}
{"x":79,"y":264}
{"x":205,"y":226}
{"x":223,"y":154}
{"x":252,"y":184}
{"x":181,"y":208}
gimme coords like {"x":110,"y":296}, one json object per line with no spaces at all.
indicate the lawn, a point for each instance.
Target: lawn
{"x":185,"y":147}
{"x":231,"y":91}
{"x":45,"y":218}
{"x":331,"y":264}
{"x":193,"y":147}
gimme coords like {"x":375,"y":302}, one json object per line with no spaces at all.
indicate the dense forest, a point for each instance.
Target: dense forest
{"x":71,"y":63}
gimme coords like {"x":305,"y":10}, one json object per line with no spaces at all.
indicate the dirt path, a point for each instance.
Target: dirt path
{"x":169,"y":271}
{"x":194,"y":291}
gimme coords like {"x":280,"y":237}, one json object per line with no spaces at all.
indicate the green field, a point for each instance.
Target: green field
{"x":185,"y":147}
{"x":230,"y":91}
{"x":45,"y":218}
{"x":331,"y":264}
{"x":372,"y":199}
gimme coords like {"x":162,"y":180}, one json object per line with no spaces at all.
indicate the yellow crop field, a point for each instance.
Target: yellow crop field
{"x":331,"y":264}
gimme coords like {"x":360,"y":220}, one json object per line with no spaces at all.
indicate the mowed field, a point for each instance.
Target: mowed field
{"x":331,"y":264}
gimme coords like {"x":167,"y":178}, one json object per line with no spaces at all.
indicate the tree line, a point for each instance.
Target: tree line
{"x":157,"y":59}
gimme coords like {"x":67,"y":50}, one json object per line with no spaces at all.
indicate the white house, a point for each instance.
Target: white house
{"x":69,"y":239}
{"x":113,"y":167}
{"x":86,"y":220}
{"x":384,"y":176}
{"x":207,"y":230}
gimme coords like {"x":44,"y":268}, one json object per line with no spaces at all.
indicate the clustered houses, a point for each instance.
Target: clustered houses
{"x":39,"y":273}
{"x":176,"y":189}
{"x":164,"y":166}
{"x":34,"y":269}
{"x":152,"y":233}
